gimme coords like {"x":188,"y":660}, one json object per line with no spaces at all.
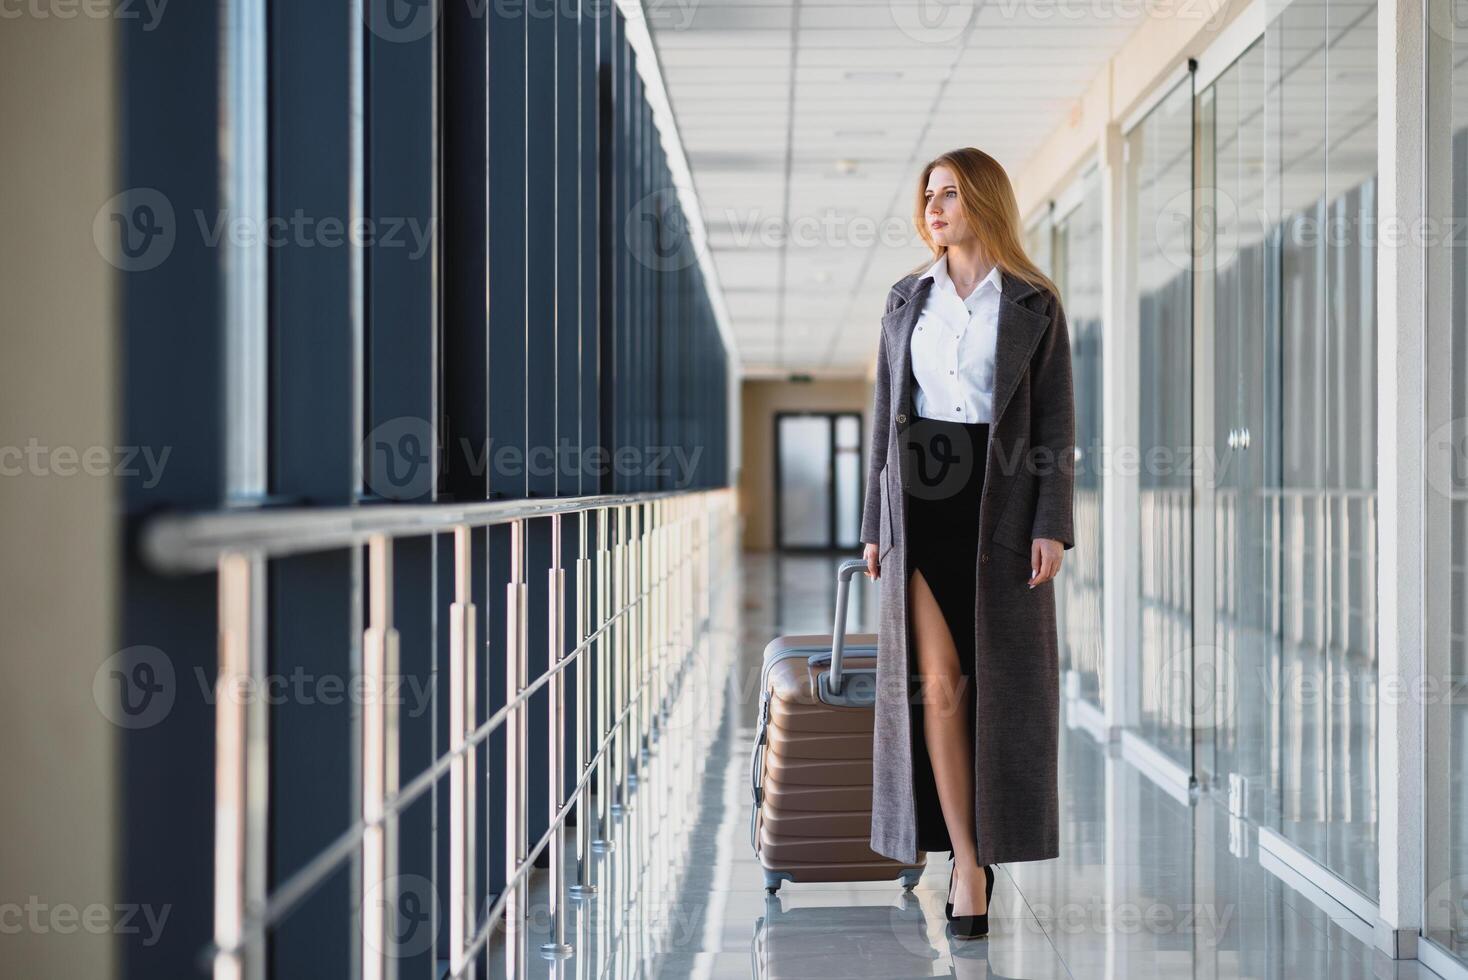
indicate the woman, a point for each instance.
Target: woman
{"x":974,"y":403}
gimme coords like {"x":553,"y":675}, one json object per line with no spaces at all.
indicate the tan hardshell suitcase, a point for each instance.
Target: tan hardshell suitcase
{"x":811,"y":768}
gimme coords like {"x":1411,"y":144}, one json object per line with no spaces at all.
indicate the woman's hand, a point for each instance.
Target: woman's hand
{"x":1045,"y":555}
{"x":874,"y":570}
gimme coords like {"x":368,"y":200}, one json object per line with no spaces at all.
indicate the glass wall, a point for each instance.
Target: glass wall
{"x":1078,"y":272}
{"x":1159,"y":175}
{"x":1321,"y":515}
{"x":1287,"y":173}
{"x":1445,"y":907}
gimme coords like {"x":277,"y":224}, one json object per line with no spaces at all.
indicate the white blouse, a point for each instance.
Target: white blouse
{"x":953,"y":349}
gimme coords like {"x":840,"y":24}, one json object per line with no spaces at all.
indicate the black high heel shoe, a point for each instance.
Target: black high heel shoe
{"x":975,"y":926}
{"x":948,"y":906}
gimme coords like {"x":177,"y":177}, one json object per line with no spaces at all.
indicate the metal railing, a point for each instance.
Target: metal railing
{"x":654,"y":556}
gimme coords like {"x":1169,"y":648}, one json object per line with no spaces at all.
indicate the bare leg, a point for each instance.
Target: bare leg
{"x":943,"y":692}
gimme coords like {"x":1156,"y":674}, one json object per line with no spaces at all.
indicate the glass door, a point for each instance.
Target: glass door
{"x":818,"y":480}
{"x":1078,"y":271}
{"x":1239,"y":727}
{"x":1159,"y":184}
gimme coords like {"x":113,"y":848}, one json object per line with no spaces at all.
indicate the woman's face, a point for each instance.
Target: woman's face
{"x":944,"y":214}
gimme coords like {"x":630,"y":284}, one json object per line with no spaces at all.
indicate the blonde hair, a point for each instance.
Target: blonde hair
{"x":992,"y":211}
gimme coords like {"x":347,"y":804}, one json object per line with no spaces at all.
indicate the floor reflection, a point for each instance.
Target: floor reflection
{"x":1145,"y":887}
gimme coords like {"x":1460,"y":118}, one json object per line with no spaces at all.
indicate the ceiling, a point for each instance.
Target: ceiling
{"x":805,"y":123}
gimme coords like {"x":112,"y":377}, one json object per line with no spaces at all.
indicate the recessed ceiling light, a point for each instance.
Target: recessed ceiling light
{"x":846,"y":166}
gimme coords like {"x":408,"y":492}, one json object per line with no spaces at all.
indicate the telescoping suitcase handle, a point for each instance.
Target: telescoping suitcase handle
{"x":838,"y":632}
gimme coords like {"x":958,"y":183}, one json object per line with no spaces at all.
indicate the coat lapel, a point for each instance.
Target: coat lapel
{"x":1020,"y":329}
{"x":900,"y":324}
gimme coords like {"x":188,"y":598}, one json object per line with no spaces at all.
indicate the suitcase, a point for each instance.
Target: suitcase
{"x":811,"y":767}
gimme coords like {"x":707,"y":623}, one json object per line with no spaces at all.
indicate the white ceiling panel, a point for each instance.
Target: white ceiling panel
{"x":805,"y":123}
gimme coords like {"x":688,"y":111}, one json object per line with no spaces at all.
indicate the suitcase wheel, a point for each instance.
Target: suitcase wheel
{"x":773,"y":879}
{"x":909,"y":878}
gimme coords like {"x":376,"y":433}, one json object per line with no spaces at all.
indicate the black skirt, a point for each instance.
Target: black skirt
{"x":946,"y":461}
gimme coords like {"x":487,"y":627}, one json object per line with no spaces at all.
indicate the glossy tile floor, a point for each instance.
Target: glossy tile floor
{"x":1145,"y":886}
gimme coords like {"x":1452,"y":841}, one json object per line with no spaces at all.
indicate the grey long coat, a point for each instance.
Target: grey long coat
{"x":1027,"y":494}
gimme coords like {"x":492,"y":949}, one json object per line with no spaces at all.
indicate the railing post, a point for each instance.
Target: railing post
{"x":462,"y":721}
{"x":556,"y":948}
{"x":379,"y":766}
{"x":604,"y":653}
{"x":240,"y":759}
{"x":585,"y":816}
{"x":516,"y":732}
{"x":636,"y":643}
{"x":620,"y":803}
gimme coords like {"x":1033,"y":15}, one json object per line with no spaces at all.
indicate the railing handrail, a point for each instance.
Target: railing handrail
{"x":194,"y":542}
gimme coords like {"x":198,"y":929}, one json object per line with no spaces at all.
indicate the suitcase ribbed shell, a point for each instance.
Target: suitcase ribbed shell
{"x":814,"y":775}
